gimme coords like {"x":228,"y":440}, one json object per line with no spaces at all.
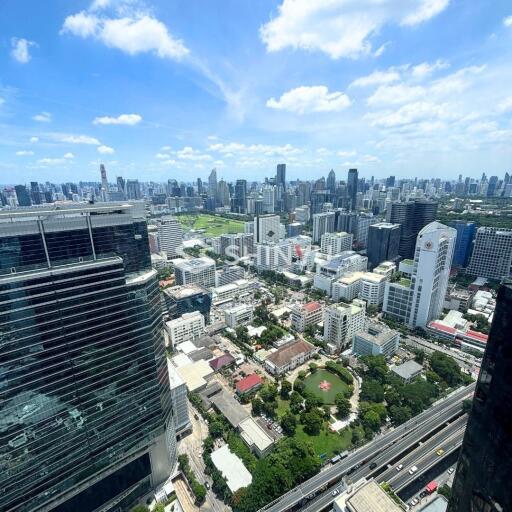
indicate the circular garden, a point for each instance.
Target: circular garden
{"x":325,"y":385}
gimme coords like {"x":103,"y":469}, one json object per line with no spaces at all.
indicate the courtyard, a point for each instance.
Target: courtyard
{"x":325,"y":385}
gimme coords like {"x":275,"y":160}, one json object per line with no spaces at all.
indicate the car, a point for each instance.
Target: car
{"x":400,"y":467}
{"x":196,"y":416}
{"x":450,"y":471}
{"x":207,"y":485}
{"x":336,"y":491}
{"x":423,"y":494}
{"x":413,"y":470}
{"x":373,"y":465}
{"x":440,"y":452}
{"x":415,"y":501}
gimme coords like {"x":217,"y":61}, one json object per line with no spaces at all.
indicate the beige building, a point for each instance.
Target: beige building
{"x":303,"y":315}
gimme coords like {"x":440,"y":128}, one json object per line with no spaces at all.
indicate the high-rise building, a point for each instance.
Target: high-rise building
{"x":170,"y":235}
{"x":482,"y":480}
{"x":133,"y":189}
{"x":240,"y":198}
{"x":85,"y":413}
{"x":121,"y":187}
{"x":492,"y":253}
{"x":419,"y":300}
{"x":281,"y":176}
{"x":104,"y":183}
{"x":236,"y":245}
{"x":323,"y":223}
{"x":199,"y":271}
{"x":212,"y":185}
{"x":22,"y":195}
{"x":341,"y":323}
{"x":223,"y":196}
{"x":275,"y":256}
{"x":335,"y":243}
{"x":35,"y":193}
{"x":464,"y":243}
{"x":376,"y":340}
{"x":187,"y":299}
{"x":331,"y":182}
{"x":269,"y":198}
{"x":352,"y":188}
{"x":412,"y":217}
{"x":383,"y":243}
{"x":267,"y":228}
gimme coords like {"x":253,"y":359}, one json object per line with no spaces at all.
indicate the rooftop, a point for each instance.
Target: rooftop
{"x":370,"y":497}
{"x":371,"y":276}
{"x":287,"y":352}
{"x":438,"y":504}
{"x":248,"y":383}
{"x":310,"y":307}
{"x":253,"y":434}
{"x":408,"y":370}
{"x":195,"y":374}
{"x":377,"y":333}
{"x":232,"y":468}
{"x":186,"y":290}
{"x":195,"y":263}
{"x":222,"y":361}
{"x":229,"y":408}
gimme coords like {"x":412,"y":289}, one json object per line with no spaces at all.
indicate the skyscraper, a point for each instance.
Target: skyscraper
{"x":323,"y":223}
{"x":121,"y":187}
{"x":281,"y":176}
{"x":133,"y":189}
{"x":35,"y":193}
{"x":22,"y":195}
{"x":482,"y":481}
{"x":331,"y":182}
{"x":464,"y":243}
{"x":267,"y":228}
{"x":352,"y":188}
{"x":383,"y":243}
{"x":212,"y":185}
{"x":170,"y":235}
{"x":418,"y":300}
{"x":240,"y":198}
{"x":104,"y":183}
{"x":85,"y":410}
{"x":492,"y":253}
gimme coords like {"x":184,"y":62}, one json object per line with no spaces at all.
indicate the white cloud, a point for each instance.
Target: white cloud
{"x":395,"y":94}
{"x":24,"y":152}
{"x":20,"y":49}
{"x":42,"y":117}
{"x":425,"y":69}
{"x":377,"y":78}
{"x":341,"y":28}
{"x":69,"y":156}
{"x":105,"y":150}
{"x":162,"y":156}
{"x":508,"y":21}
{"x":232,"y":149}
{"x":165,"y":148}
{"x":456,"y":82}
{"x":303,"y":100}
{"x":346,"y":153}
{"x":99,"y":4}
{"x":34,"y":139}
{"x":188,"y":153}
{"x":51,"y":161}
{"x":133,"y":34}
{"x":79,"y":139}
{"x":128,"y":119}
{"x":505,"y":105}
{"x":410,"y":113}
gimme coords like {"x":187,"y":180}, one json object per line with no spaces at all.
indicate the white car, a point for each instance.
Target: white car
{"x":400,"y":467}
{"x":415,"y":501}
{"x":450,"y":471}
{"x":413,"y":470}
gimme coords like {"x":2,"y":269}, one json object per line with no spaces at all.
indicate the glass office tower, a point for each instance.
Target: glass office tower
{"x":85,"y":408}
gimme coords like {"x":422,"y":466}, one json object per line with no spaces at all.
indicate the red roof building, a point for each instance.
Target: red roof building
{"x":248,"y":384}
{"x":223,"y":361}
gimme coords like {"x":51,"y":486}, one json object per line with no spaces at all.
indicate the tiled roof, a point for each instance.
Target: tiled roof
{"x":224,"y":360}
{"x":286,"y":353}
{"x":312,"y":306}
{"x":248,"y":383}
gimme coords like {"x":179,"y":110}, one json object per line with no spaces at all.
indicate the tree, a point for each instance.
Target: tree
{"x":286,"y":388}
{"x":159,"y":507}
{"x":313,"y":367}
{"x":399,"y":414}
{"x":372,"y":391}
{"x":312,"y":422}
{"x":296,"y":402}
{"x":446,"y":491}
{"x":446,"y":367}
{"x":299,"y":386}
{"x":301,"y":375}
{"x":311,"y":401}
{"x":257,"y":406}
{"x":377,"y":367}
{"x":268,"y":393}
{"x":371,"y":420}
{"x":343,"y":406}
{"x":289,"y":424}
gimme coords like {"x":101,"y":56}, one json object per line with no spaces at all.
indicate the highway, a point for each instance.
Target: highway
{"x":421,"y":457}
{"x":421,"y":426}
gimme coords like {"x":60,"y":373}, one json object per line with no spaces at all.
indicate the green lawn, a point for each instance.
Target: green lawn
{"x":213,"y":225}
{"x":326,"y":442}
{"x":313,"y":381}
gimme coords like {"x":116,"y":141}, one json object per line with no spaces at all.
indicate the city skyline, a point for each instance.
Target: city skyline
{"x":414,"y":91}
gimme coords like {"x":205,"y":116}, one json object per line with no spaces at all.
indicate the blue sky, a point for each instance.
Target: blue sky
{"x":163,"y":89}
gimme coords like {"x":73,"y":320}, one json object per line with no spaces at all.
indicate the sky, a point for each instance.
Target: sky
{"x":169,"y":89}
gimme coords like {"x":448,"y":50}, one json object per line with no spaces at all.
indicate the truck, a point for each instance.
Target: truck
{"x":431,"y":487}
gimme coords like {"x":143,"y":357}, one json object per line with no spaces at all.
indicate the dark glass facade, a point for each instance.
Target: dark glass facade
{"x":464,"y":243}
{"x":84,"y":390}
{"x":187,"y":299}
{"x":482,"y":481}
{"x":383,"y":243}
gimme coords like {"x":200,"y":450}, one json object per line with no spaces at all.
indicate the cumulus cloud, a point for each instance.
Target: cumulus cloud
{"x":128,"y":119}
{"x":77,"y":139}
{"x":426,"y":69}
{"x":34,"y":139}
{"x":42,"y":117}
{"x":105,"y":150}
{"x":188,"y":153}
{"x":505,"y":105}
{"x":377,"y":78}
{"x":340,"y":28}
{"x":20,"y":49}
{"x":24,"y":152}
{"x":232,"y":149}
{"x":134,"y":33}
{"x":51,"y":161}
{"x":508,"y":21}
{"x":303,"y":100}
{"x":69,"y":156}
{"x":395,"y":94}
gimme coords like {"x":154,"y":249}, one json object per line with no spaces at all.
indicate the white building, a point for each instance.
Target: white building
{"x":303,"y":315}
{"x":347,"y":287}
{"x":376,"y":340}
{"x":229,"y":274}
{"x":269,"y":193}
{"x":267,"y":228}
{"x":341,"y":323}
{"x":289,"y":356}
{"x":179,"y":399}
{"x":492,"y":253}
{"x":328,"y":272}
{"x":335,"y":243}
{"x":302,"y":214}
{"x":238,"y":315}
{"x":386,"y":268}
{"x":274,"y":256}
{"x":372,"y":289}
{"x":187,"y":327}
{"x":170,"y":235}
{"x":419,"y":300}
{"x":230,"y":291}
{"x":323,"y":223}
{"x":196,"y":270}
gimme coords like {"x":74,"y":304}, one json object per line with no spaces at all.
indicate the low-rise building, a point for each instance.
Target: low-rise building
{"x":224,"y":361}
{"x":185,"y":328}
{"x":255,"y":437}
{"x":336,"y":243}
{"x":372,"y":289}
{"x":303,"y":315}
{"x":231,"y":468}
{"x":248,"y":384}
{"x":407,"y":371}
{"x":238,"y":315}
{"x":229,"y":274}
{"x":386,"y":268}
{"x":376,"y":340}
{"x":366,"y":497}
{"x":289,"y":356}
{"x":187,"y":299}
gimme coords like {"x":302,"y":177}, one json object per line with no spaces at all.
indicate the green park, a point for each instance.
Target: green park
{"x":210,"y":225}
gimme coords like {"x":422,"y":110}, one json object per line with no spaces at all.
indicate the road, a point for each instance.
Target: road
{"x":419,"y":427}
{"x":429,"y":447}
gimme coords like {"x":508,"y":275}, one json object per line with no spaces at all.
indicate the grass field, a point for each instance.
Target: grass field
{"x":326,"y":442}
{"x":313,"y":381}
{"x":213,"y":225}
